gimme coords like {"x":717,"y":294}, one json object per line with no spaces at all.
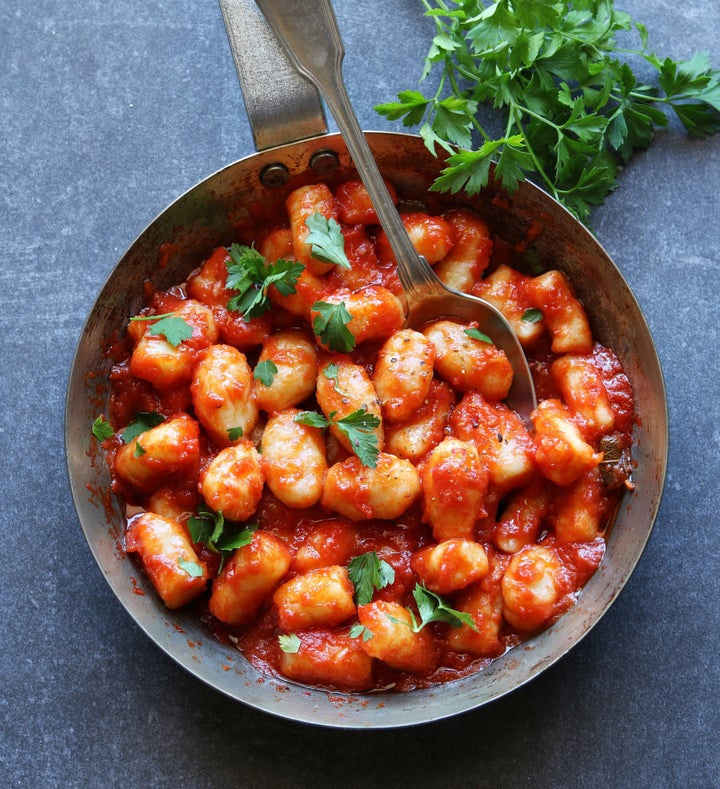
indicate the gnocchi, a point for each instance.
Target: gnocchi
{"x":176,"y":571}
{"x":294,"y":359}
{"x":403,"y":374}
{"x":253,"y":572}
{"x":302,"y":203}
{"x":347,"y":498}
{"x":469,"y":364}
{"x":233,"y":482}
{"x":361,"y":493}
{"x":294,"y":464}
{"x":164,"y":364}
{"x":221,"y":390}
{"x":320,"y":597}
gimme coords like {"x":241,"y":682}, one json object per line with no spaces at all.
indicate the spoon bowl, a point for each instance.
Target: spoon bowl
{"x":310,"y":37}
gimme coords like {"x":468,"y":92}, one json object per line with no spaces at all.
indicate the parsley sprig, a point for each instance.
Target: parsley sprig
{"x":326,"y":240}
{"x":168,"y":325}
{"x":211,"y":529}
{"x":369,"y":574}
{"x":432,"y":608}
{"x":330,"y":326}
{"x":358,"y":426}
{"x":572,"y":110}
{"x":141,"y":422}
{"x":251,"y":276}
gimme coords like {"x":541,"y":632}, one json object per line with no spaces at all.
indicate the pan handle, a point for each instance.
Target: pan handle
{"x":282,"y":106}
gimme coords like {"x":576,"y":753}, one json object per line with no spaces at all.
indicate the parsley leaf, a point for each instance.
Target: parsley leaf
{"x":476,"y":334}
{"x":331,"y":372}
{"x":410,"y":107}
{"x":289,"y":643}
{"x":312,"y":419}
{"x":193,"y":569}
{"x":265,"y":372}
{"x":143,"y":421}
{"x":358,"y":426}
{"x":330,"y":326}
{"x":102,"y":430}
{"x":369,"y":574}
{"x":432,"y":608}
{"x":173,"y":329}
{"x":326,"y":240}
{"x":358,"y":630}
{"x":209,"y":528}
{"x":532,"y":315}
{"x":234,"y":433}
{"x":571,"y":111}
{"x":230,"y":542}
{"x":202,"y":525}
{"x":169,"y":326}
{"x":251,"y":275}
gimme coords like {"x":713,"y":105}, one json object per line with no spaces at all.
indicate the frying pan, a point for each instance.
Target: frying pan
{"x":293,"y":148}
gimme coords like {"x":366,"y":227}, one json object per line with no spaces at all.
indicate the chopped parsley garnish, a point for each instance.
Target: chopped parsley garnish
{"x":102,"y":430}
{"x":476,"y":334}
{"x":210,"y":528}
{"x":358,"y":427}
{"x":358,"y":631}
{"x":369,"y":574}
{"x":432,"y":608}
{"x":169,"y":326}
{"x":532,"y":315}
{"x":251,"y":276}
{"x":143,"y":421}
{"x":289,"y":643}
{"x":330,"y":325}
{"x":332,"y":373}
{"x":193,"y":569}
{"x":312,"y":419}
{"x":265,"y":372}
{"x":326,"y":240}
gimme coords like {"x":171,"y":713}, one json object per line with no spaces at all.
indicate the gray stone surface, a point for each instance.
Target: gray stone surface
{"x":108,"y":111}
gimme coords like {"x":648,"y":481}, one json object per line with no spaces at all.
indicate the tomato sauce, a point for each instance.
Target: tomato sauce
{"x":541,"y":534}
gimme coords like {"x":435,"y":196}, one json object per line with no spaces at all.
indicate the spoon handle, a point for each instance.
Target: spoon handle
{"x":309,"y":33}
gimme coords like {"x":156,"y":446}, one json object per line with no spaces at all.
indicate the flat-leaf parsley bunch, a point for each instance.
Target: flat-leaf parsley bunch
{"x":573,"y":110}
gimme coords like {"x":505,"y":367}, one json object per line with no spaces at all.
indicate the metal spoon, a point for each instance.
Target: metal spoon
{"x":309,"y":34}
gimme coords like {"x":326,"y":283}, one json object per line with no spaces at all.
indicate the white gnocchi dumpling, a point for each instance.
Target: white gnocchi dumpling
{"x":222,"y":395}
{"x":233,"y":482}
{"x":293,"y":463}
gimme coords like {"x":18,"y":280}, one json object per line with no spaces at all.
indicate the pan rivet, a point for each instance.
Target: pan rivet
{"x":324,"y":162}
{"x":274,"y":175}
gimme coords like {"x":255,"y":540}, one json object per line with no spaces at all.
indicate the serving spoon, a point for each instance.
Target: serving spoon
{"x":309,"y":34}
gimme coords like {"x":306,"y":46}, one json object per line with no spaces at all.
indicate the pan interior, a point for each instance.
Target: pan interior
{"x":208,"y":216}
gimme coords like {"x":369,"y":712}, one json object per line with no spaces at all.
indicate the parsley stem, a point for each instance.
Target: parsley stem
{"x":575,"y":110}
{"x":515,"y":118}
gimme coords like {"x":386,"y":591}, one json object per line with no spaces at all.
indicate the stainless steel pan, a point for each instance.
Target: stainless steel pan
{"x":289,"y":132}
